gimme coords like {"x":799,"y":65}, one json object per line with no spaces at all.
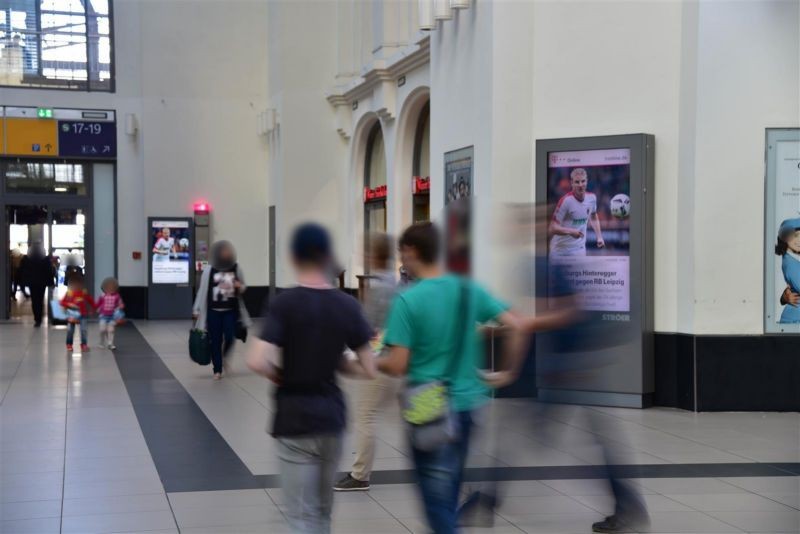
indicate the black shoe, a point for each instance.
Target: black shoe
{"x":348,"y":483}
{"x":37,"y":324}
{"x":614,"y":523}
{"x":609,"y":524}
{"x":477,"y":510}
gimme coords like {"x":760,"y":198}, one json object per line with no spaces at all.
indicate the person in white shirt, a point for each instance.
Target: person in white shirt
{"x":164,"y":246}
{"x":573,"y":213}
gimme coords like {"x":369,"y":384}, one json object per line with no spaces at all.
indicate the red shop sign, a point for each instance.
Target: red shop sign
{"x":378,"y":193}
{"x":421,"y":186}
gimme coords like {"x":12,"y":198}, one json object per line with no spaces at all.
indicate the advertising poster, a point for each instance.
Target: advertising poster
{"x":588,"y":193}
{"x":458,"y":186}
{"x":782,"y":255}
{"x":170,"y":246}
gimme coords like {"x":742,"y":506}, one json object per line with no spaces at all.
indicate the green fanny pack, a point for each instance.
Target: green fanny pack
{"x":426,"y":403}
{"x":429,"y":416}
{"x":426,"y":407}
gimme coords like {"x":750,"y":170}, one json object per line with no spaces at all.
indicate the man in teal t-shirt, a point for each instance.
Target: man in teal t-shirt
{"x":432,"y":334}
{"x":424,"y":320}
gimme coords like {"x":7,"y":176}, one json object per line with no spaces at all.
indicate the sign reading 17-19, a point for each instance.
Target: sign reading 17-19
{"x":87,"y":139}
{"x":78,"y":128}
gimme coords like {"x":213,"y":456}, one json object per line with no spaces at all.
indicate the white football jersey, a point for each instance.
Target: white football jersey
{"x":572,"y":213}
{"x":164,"y":246}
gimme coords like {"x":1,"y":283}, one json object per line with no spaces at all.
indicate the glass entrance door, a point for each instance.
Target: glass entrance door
{"x":27,"y":225}
{"x":68,"y":238}
{"x":61,"y":231}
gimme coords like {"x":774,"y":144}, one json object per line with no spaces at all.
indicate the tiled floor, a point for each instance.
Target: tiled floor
{"x":87,"y":445}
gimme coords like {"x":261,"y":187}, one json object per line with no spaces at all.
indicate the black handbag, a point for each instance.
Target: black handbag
{"x":241,"y":332}
{"x":199,"y":347}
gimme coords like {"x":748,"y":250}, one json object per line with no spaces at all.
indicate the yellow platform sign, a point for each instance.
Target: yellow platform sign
{"x":31,"y":137}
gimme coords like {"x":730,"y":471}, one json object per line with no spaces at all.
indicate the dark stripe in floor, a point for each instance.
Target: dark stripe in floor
{"x":191,"y":455}
{"x":584,"y":472}
{"x":188,"y":451}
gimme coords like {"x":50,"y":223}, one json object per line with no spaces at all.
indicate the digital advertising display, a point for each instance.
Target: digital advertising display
{"x":170,"y":249}
{"x":598,"y":245}
{"x":782,"y":232}
{"x":589,"y":198}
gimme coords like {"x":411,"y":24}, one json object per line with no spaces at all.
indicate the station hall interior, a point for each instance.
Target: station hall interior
{"x":615,"y":183}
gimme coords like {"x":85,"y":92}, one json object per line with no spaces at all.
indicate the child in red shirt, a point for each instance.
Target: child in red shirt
{"x":79,"y":305}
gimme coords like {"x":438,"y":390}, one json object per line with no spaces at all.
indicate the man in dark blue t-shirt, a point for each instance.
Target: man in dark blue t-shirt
{"x":300,"y":349}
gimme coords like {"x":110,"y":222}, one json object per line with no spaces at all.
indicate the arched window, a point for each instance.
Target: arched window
{"x":374,"y":184}
{"x":422,"y":165}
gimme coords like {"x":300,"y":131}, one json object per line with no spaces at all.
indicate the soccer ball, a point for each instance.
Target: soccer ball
{"x":620,"y":206}
{"x":183,"y":242}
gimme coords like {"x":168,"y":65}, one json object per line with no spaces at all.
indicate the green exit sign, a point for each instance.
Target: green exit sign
{"x":44,"y":113}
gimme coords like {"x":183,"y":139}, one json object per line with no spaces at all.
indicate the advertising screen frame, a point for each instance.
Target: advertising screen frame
{"x":772,"y":221}
{"x":629,"y":380}
{"x":189,"y":222}
{"x":170,"y":300}
{"x":458,"y":208}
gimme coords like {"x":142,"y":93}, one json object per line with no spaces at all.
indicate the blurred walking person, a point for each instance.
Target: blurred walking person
{"x":36,"y":272}
{"x":374,"y":395}
{"x":433,"y":340}
{"x":300,"y":349}
{"x":15,"y":261}
{"x":575,"y":343}
{"x":219,"y":307}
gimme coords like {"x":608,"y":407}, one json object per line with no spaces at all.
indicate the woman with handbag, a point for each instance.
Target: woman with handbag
{"x":219,"y":308}
{"x":432,"y":333}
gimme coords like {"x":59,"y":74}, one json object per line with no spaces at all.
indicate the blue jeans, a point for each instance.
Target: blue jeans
{"x":439,"y":475}
{"x":83,"y":328}
{"x":221,"y":326}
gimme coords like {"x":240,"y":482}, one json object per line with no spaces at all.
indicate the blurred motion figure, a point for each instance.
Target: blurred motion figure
{"x":431,"y":332}
{"x":576,"y":344}
{"x":378,"y":394}
{"x":36,"y":272}
{"x":300,"y":349}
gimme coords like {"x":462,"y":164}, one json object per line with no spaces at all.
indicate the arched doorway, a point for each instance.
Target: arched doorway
{"x":375,"y":190}
{"x":421,"y":166}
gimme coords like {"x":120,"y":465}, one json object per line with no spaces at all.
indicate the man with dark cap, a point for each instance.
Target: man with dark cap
{"x":300,"y":349}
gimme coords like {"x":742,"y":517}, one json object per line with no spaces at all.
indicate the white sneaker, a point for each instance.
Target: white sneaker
{"x":112,"y":347}
{"x":217,"y":376}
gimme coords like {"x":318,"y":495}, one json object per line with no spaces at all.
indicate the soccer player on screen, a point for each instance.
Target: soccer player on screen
{"x":573,"y":212}
{"x":164,"y":246}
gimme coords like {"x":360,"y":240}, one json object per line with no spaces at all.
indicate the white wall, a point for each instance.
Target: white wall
{"x":204,"y":80}
{"x":748,"y":80}
{"x":307,"y":171}
{"x":316,"y":156}
{"x":462,"y":94}
{"x":194,"y":73}
{"x":603,"y":68}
